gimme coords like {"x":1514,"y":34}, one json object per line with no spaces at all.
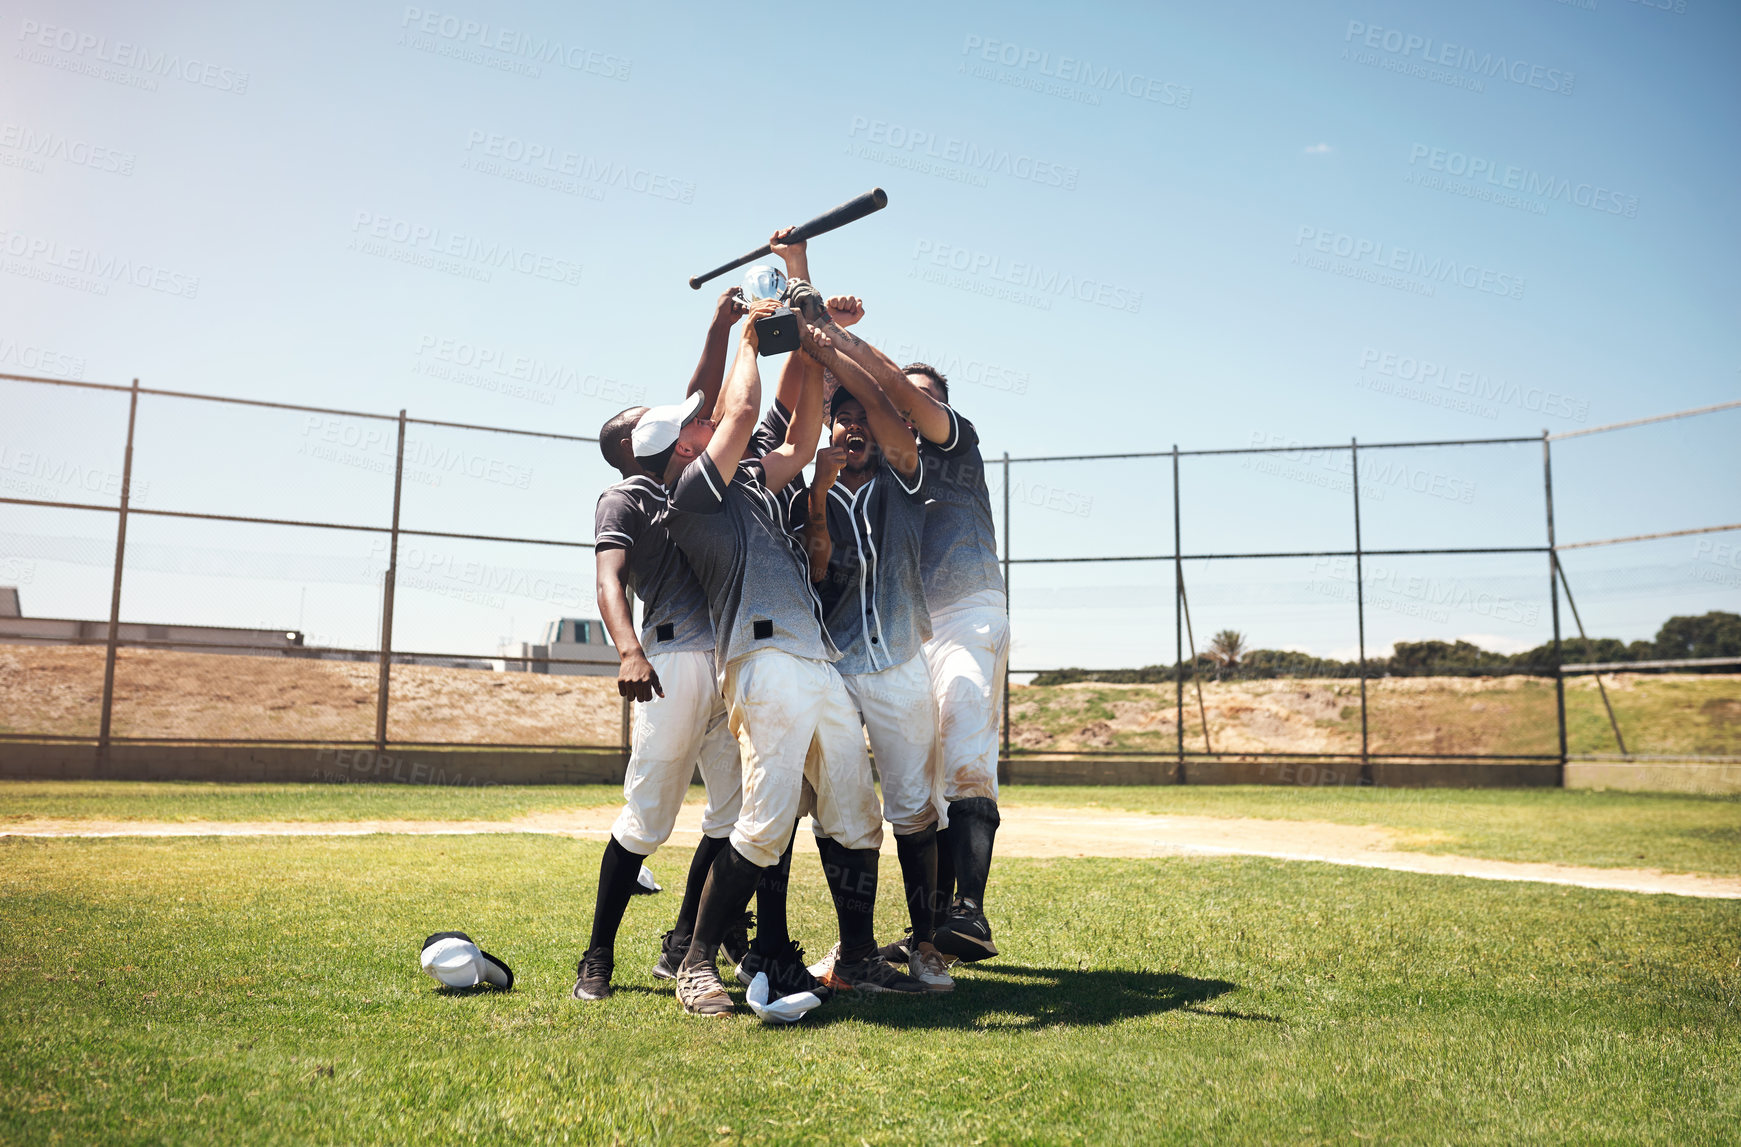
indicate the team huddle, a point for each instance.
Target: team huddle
{"x":785,"y":622}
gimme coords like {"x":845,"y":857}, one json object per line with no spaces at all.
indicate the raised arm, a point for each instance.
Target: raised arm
{"x":790,"y":388}
{"x":796,"y":255}
{"x":818,"y":543}
{"x":785,"y":462}
{"x":924,"y":412}
{"x":886,"y":424}
{"x":636,"y":678}
{"x":740,"y":401}
{"x":710,"y":371}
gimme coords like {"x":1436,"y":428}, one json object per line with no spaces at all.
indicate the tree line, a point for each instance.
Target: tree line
{"x":1713,"y":634}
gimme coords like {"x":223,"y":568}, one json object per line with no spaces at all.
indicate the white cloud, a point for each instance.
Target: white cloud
{"x":1352,"y":652}
{"x":1497,"y":643}
{"x":1319,"y":149}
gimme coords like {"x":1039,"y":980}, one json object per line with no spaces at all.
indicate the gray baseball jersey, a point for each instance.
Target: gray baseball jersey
{"x":873,"y":596}
{"x":770,"y":432}
{"x":960,"y":550}
{"x":753,"y":570}
{"x":631,"y":516}
{"x":770,"y":435}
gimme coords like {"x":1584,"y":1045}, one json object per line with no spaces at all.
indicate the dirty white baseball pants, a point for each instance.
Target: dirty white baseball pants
{"x":966,"y":656}
{"x":671,"y":736}
{"x":900,"y":716}
{"x":794,"y":721}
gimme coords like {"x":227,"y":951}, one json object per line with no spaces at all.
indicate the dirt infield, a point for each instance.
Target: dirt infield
{"x":1038,"y":832}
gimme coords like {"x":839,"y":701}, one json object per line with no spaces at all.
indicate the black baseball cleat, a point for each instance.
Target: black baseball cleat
{"x":787,"y":973}
{"x":736,"y":941}
{"x":594,"y":979}
{"x":900,"y":952}
{"x":965,"y":934}
{"x":873,"y":974}
{"x":672,"y":949}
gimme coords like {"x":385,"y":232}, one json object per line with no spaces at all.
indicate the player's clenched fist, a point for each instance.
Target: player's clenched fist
{"x":829,"y":462}
{"x":845,"y":310}
{"x":637,"y":679}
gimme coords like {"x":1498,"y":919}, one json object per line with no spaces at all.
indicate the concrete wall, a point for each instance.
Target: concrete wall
{"x":283,"y":763}
{"x":289,"y":763}
{"x":1070,"y":770}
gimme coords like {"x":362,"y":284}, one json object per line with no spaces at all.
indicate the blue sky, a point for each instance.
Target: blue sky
{"x":1120,"y":227}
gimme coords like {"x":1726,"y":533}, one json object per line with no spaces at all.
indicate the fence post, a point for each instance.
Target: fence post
{"x":387,"y":585}
{"x":107,"y":724}
{"x":1554,"y":597}
{"x":1004,"y":768}
{"x":1360,"y":605}
{"x":1178,"y":628}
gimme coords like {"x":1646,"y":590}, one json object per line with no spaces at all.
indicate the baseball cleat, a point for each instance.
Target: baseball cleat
{"x":787,"y":974}
{"x":702,"y":992}
{"x":871,"y":974}
{"x":593,"y":981}
{"x":928,"y":966}
{"x":965,"y":934}
{"x":900,"y":952}
{"x":822,"y":971}
{"x":672,"y":949}
{"x":736,"y":941}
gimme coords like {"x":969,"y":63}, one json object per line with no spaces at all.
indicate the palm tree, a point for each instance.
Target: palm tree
{"x":1225,"y":649}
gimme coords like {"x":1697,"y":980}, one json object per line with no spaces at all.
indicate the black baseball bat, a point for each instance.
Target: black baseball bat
{"x":873,"y":200}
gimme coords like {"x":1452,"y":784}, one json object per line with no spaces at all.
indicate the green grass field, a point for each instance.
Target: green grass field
{"x":1602,"y":829}
{"x":210,"y":991}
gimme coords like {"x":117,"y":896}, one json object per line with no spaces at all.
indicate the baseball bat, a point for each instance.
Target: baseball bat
{"x":873,"y":200}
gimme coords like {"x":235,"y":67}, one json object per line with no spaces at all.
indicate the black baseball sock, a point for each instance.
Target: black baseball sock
{"x":945,"y":877}
{"x":973,"y":825}
{"x":771,"y":900}
{"x":852,"y":881}
{"x":705,"y":853}
{"x":616,"y":883}
{"x":730,"y":882}
{"x":918,"y":854}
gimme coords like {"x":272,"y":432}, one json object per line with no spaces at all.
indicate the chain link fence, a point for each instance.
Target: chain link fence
{"x":231,"y":572}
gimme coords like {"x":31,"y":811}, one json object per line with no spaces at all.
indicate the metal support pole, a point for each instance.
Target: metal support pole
{"x":1554,"y":597}
{"x":1006,"y":606}
{"x":1196,"y":678}
{"x":1613,"y":722}
{"x":1178,"y":627}
{"x":1360,"y":607}
{"x":387,"y":586}
{"x":107,"y":720}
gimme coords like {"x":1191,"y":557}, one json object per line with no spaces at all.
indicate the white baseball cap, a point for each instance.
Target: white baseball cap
{"x":455,"y":962}
{"x":657,"y":429}
{"x":785,"y":1010}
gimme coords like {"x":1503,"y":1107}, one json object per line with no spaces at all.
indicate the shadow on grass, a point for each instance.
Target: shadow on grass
{"x":1010,"y":997}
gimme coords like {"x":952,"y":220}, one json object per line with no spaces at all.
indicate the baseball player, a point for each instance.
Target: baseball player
{"x":866,"y":517}
{"x":667,"y":670}
{"x":969,"y":646}
{"x":781,"y":690}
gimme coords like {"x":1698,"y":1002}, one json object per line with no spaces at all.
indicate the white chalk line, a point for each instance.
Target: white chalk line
{"x":1027,"y":832}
